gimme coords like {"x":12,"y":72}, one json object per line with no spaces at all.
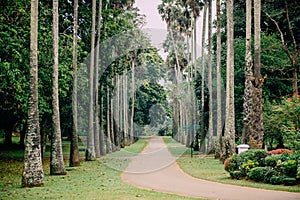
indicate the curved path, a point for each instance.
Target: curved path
{"x":156,"y":169}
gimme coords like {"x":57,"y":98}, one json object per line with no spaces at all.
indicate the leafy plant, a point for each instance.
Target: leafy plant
{"x":290,"y":168}
{"x":263,"y":174}
{"x":246,"y":167}
{"x":276,"y":180}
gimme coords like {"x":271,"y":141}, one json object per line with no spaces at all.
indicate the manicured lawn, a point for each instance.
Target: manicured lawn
{"x":92,"y":180}
{"x":208,"y":168}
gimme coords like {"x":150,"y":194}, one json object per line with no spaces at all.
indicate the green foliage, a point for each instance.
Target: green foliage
{"x":247,"y":166}
{"x":263,"y":174}
{"x":289,"y":181}
{"x":282,"y":123}
{"x":236,"y":175}
{"x":272,"y":160}
{"x":276,"y":180}
{"x":290,"y":168}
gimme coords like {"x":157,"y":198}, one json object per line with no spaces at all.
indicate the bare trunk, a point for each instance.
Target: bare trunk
{"x":74,"y":151}
{"x":108,"y":129}
{"x":57,"y":166}
{"x":90,"y":151}
{"x":256,"y":139}
{"x":219,"y":96}
{"x":132,"y":101}
{"x":210,"y":122}
{"x":96,"y":85}
{"x":248,"y":91}
{"x":33,"y":174}
{"x":203,"y":134}
{"x":101,"y":132}
{"x":229,"y":138}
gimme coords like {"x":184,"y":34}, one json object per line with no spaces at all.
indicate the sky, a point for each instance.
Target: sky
{"x":154,"y":21}
{"x":149,"y":8}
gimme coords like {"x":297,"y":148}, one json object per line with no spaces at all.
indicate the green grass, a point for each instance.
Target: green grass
{"x":208,"y":168}
{"x":92,"y":180}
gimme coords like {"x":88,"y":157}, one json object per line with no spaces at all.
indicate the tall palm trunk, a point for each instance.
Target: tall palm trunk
{"x":132,"y":101}
{"x":257,"y":121}
{"x":219,"y":96}
{"x":101,"y":132}
{"x":90,"y":151}
{"x":96,"y":84}
{"x":203,"y":133}
{"x":248,"y":91}
{"x":57,"y":166}
{"x":33,"y":174}
{"x":210,"y":88}
{"x":74,"y":152}
{"x":229,"y":138}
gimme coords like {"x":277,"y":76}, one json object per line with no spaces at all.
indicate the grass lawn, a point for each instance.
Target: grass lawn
{"x":92,"y":180}
{"x":208,"y":168}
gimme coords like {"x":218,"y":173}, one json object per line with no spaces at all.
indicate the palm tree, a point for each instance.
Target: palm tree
{"x":97,"y":134}
{"x":203,"y":134}
{"x":219,"y":143}
{"x":229,"y":138}
{"x":74,"y":152}
{"x":90,"y":151}
{"x":33,"y":174}
{"x":248,"y":91}
{"x":257,"y":120}
{"x":57,"y":166}
{"x":209,"y":81}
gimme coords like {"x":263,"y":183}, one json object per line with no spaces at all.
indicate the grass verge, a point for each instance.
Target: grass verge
{"x":92,"y":180}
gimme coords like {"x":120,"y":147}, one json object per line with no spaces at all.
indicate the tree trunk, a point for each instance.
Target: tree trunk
{"x":57,"y":166}
{"x":96,"y":85}
{"x":210,"y":88}
{"x":90,"y":151}
{"x":203,"y":134}
{"x":132,"y":101}
{"x":256,"y":139}
{"x":74,"y":151}
{"x":108,"y":128}
{"x":219,"y":96}
{"x":101,"y":133}
{"x":33,"y":174}
{"x":229,"y":138}
{"x":248,"y":91}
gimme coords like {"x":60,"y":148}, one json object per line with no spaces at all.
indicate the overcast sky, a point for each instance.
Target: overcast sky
{"x":153,"y":19}
{"x":149,"y":8}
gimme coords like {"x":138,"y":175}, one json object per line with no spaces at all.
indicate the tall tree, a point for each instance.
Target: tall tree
{"x":229,"y":137}
{"x":203,"y":133}
{"x":219,"y":96}
{"x":57,"y":166}
{"x":248,"y":91}
{"x":257,"y":120}
{"x":33,"y":174}
{"x":74,"y":151}
{"x":90,"y":151}
{"x":97,"y":134}
{"x":209,"y":81}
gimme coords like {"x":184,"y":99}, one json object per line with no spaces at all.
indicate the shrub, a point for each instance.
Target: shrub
{"x":236,"y":175}
{"x":247,"y":166}
{"x":276,"y":180}
{"x":271,"y":161}
{"x":298,"y":171}
{"x":256,"y":155}
{"x":263,"y":174}
{"x":290,"y":168}
{"x":230,"y":164}
{"x":279,"y":151}
{"x":289,"y":181}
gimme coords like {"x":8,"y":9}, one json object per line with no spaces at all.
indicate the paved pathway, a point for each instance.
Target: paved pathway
{"x":156,"y":169}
